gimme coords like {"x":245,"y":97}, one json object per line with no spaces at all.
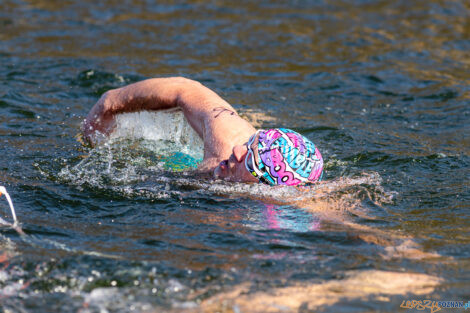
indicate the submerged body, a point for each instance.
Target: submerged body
{"x":275,"y":157}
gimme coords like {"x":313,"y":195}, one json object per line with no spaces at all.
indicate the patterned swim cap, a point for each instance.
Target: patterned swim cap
{"x":284,"y":157}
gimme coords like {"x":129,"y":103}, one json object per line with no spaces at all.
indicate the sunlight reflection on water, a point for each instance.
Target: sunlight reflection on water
{"x":380,"y":86}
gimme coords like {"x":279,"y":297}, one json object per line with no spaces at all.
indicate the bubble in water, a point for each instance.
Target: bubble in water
{"x":143,"y":144}
{"x":168,"y":126}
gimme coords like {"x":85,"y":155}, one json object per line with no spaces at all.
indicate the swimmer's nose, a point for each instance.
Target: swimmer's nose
{"x":239,"y":152}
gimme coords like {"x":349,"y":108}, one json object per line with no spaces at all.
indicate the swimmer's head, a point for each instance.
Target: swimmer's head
{"x":282,"y":156}
{"x":276,"y":157}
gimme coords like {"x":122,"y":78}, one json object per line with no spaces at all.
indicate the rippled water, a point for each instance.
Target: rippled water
{"x":382,"y":87}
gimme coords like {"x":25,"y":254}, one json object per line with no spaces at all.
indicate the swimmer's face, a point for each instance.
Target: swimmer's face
{"x":234,"y":169}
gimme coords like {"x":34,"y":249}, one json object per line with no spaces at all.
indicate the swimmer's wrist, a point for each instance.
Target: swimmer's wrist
{"x":109,"y":102}
{"x":121,"y":100}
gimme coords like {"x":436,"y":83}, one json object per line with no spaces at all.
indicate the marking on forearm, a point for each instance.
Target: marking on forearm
{"x":221,"y":110}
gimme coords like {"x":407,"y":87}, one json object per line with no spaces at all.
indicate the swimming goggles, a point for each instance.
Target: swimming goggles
{"x":257,"y":169}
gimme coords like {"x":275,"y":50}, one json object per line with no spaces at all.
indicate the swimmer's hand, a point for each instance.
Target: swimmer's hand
{"x":100,"y":121}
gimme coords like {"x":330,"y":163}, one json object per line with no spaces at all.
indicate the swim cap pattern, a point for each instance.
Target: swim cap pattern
{"x":285,"y":157}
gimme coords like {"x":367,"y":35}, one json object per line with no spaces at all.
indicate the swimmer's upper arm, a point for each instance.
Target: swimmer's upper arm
{"x":201,"y":105}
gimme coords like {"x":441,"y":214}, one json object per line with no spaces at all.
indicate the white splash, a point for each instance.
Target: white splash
{"x":159,"y":126}
{"x":3,"y":190}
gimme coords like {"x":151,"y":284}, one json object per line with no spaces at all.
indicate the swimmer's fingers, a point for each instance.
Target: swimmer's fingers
{"x":98,"y":132}
{"x":99,"y":121}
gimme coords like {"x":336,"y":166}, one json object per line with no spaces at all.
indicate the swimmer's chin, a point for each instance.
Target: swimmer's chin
{"x":219,"y":169}
{"x":217,"y":173}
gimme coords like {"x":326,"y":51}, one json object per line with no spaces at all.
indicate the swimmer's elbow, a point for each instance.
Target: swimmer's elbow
{"x":183,"y":79}
{"x":186,"y":82}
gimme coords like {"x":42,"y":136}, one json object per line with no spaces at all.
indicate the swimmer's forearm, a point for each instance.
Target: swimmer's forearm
{"x":149,"y":94}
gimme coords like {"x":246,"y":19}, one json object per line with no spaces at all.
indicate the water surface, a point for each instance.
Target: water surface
{"x":382,"y":87}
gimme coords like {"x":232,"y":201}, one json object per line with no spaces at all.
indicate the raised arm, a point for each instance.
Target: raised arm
{"x":196,"y":101}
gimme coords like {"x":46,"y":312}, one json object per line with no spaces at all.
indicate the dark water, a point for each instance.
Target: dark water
{"x":382,"y":87}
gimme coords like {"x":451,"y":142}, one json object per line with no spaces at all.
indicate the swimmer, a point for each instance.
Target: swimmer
{"x":233,"y":149}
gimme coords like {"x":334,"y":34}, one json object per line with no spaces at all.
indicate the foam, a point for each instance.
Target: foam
{"x":159,"y":126}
